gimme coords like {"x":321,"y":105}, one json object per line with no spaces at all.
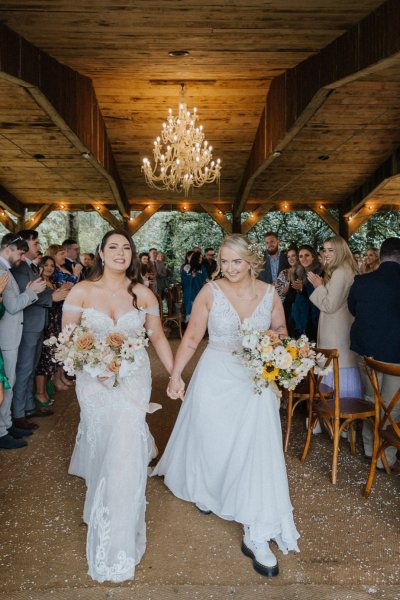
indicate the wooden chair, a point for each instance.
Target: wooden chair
{"x":295,"y":397}
{"x":170,"y":315}
{"x":387,"y":431}
{"x":334,"y":412}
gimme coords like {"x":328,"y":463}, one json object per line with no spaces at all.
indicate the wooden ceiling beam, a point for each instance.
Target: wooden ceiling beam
{"x":134,"y":225}
{"x":68,"y":98}
{"x":326,"y":216}
{"x":218,"y":216}
{"x":256,"y":216}
{"x":359,"y":218}
{"x":108,"y":216}
{"x":296,"y":95}
{"x":34,"y":220}
{"x":10,"y":202}
{"x":8,"y":223}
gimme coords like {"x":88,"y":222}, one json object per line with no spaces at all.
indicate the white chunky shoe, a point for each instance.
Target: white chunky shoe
{"x":264,"y":560}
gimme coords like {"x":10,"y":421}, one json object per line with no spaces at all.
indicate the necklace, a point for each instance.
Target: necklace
{"x":113,"y":293}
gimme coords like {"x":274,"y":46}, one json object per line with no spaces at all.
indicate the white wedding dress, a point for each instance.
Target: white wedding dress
{"x":112,"y":452}
{"x":225,"y":452}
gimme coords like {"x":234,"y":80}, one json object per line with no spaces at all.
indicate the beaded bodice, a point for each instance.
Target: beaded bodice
{"x":224,"y":322}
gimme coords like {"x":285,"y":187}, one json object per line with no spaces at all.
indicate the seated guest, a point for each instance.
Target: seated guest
{"x":374,"y":303}
{"x":12,"y":250}
{"x":330,"y":297}
{"x":46,"y":367}
{"x":304,"y":313}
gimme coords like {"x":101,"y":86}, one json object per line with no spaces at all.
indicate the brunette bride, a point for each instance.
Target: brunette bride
{"x":225,"y":452}
{"x":113,"y":445}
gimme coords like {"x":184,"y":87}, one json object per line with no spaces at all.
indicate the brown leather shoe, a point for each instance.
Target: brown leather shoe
{"x":40,"y":411}
{"x":23,"y":423}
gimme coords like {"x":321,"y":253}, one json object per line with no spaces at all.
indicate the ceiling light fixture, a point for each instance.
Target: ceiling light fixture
{"x":321,"y":206}
{"x":178,"y":53}
{"x":186,"y":161}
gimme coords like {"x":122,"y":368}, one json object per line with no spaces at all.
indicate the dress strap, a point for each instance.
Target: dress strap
{"x":151,"y":310}
{"x":72,"y":308}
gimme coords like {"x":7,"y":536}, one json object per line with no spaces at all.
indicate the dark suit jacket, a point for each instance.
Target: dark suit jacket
{"x":69,"y":264}
{"x":35,"y":315}
{"x":266,"y":273}
{"x":374,"y":300}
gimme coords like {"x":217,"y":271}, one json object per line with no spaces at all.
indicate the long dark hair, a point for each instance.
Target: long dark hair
{"x":195,"y":262}
{"x":315,"y":267}
{"x":132,"y":272}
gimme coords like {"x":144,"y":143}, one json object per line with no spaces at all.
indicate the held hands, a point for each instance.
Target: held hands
{"x":297,"y":285}
{"x":176,"y":388}
{"x":314,"y":279}
{"x":3,"y":282}
{"x":37,"y":285}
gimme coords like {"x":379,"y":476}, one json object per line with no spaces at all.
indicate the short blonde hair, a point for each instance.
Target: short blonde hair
{"x":247,"y":251}
{"x":53,"y":249}
{"x":343,"y":257}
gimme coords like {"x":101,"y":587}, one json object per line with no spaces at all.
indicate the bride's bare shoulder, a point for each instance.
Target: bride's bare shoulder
{"x":145,"y":297}
{"x":79,"y":293}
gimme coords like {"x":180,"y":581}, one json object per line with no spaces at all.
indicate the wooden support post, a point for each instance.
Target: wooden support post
{"x":34,"y":221}
{"x":326,"y":216}
{"x":218,"y":216}
{"x":237,"y":223}
{"x":255,"y":217}
{"x":109,"y":217}
{"x":136,"y":224}
{"x":343,"y":225}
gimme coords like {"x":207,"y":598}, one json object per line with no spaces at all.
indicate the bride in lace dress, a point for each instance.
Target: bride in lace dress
{"x":113,"y":445}
{"x":225,"y":452}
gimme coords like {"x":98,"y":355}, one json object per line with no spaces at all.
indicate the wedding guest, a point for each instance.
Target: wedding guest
{"x":209,"y":262}
{"x":371,"y":261}
{"x":46,"y":368}
{"x":145,"y":269}
{"x":225,"y":452}
{"x":72,"y":263}
{"x":357,"y":257}
{"x":304,"y":314}
{"x":186,"y":265}
{"x":154,"y":269}
{"x":283,"y":286}
{"x":62,"y":278}
{"x":374,"y":303}
{"x":163,"y":272}
{"x":35,"y":322}
{"x":193,"y":280}
{"x":275,"y":260}
{"x":12,"y":250}
{"x":4,"y":383}
{"x":87,"y":261}
{"x":330,"y":297}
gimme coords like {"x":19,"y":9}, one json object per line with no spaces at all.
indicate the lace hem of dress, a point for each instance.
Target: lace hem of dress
{"x":283,"y":532}
{"x":119,"y":571}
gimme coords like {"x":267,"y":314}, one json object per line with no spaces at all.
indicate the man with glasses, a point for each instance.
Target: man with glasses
{"x":72,"y":263}
{"x":35,"y":322}
{"x":209,"y":262}
{"x":15,"y":300}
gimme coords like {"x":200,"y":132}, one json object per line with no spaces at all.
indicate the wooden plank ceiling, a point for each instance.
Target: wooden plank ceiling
{"x":236,"y":49}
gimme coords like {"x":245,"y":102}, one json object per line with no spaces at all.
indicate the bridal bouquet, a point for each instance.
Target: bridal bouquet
{"x":112,"y":356}
{"x":277,"y":362}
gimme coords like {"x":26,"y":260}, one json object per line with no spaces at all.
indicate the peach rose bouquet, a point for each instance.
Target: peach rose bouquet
{"x":111,"y":357}
{"x":276,"y":362}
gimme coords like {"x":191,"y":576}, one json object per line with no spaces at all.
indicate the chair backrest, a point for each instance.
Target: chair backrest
{"x":321,"y":394}
{"x":160,"y":305}
{"x":383,"y":412}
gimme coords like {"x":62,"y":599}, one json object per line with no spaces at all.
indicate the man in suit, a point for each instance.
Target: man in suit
{"x":158,"y":268}
{"x":374,"y":302}
{"x":275,"y":261}
{"x":209,"y":262}
{"x":72,"y":263}
{"x":14,"y":300}
{"x":35,"y":321}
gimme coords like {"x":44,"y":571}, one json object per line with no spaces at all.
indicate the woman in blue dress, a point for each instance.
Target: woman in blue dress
{"x":193,"y":277}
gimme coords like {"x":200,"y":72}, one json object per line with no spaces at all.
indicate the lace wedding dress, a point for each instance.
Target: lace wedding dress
{"x":112,"y":452}
{"x":225,"y":452}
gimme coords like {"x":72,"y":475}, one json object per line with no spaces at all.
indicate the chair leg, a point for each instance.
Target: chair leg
{"x":311,"y":424}
{"x":335,"y":457}
{"x":372,"y":471}
{"x":289,"y":421}
{"x":352,"y":438}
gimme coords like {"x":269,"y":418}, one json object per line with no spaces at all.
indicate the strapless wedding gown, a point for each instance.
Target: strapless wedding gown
{"x":112,"y":452}
{"x":225,"y":452}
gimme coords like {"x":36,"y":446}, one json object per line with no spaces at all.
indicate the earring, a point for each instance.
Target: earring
{"x":102,"y":262}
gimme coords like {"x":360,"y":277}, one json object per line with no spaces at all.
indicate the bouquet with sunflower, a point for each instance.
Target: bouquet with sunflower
{"x":274,"y":361}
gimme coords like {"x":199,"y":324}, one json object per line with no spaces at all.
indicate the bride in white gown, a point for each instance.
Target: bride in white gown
{"x":225,"y":452}
{"x":113,"y":445}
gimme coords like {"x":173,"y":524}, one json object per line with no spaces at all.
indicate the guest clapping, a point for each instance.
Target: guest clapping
{"x":304,"y":314}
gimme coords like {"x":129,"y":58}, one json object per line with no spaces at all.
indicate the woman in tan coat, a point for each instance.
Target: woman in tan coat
{"x":330,"y":296}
